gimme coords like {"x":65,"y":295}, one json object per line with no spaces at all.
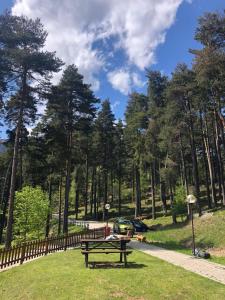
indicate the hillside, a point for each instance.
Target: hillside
{"x":209,"y":234}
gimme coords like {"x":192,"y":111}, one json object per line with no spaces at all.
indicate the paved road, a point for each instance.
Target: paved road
{"x":94,"y":224}
{"x":202,"y":267}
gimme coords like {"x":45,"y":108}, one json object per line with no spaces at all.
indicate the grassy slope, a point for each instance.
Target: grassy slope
{"x":63,"y":276}
{"x":209,"y":232}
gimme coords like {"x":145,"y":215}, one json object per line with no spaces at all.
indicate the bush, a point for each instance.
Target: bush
{"x":31,"y":209}
{"x":179,"y":205}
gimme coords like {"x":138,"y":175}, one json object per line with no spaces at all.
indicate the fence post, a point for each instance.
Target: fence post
{"x":23,"y":252}
{"x":46,"y":246}
{"x":65,"y":242}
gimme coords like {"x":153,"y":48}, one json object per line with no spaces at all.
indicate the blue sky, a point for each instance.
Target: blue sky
{"x":113,"y":41}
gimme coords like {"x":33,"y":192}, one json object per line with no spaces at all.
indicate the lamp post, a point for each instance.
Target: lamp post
{"x":107,"y":207}
{"x":191,"y":200}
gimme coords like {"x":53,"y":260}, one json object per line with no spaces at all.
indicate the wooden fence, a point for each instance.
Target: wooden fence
{"x":29,"y":250}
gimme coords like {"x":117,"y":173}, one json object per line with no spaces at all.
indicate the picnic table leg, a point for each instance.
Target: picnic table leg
{"x":125,"y":259}
{"x":122,"y":247}
{"x":86,"y":260}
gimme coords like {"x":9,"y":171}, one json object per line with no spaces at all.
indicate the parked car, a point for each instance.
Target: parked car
{"x":139,"y":226}
{"x":122,"y":225}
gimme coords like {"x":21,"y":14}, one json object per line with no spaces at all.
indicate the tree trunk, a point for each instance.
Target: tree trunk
{"x":153,"y":190}
{"x":60,"y":204}
{"x":184,"y":166}
{"x":5,"y":183}
{"x":92,"y":191}
{"x":162,"y":193}
{"x":49,"y":207}
{"x":3,"y":219}
{"x":163,"y":197}
{"x":99,"y":193}
{"x":194,"y":158}
{"x":86,"y":187}
{"x":210,"y":163}
{"x":112,"y":191}
{"x":195,"y":174}
{"x":133,"y":184}
{"x":77,"y":196}
{"x":67,"y":185}
{"x":138,"y":192}
{"x":105,"y":199}
{"x":220,"y":162}
{"x":119,"y":194}
{"x":216,"y":163}
{"x":95,"y":195}
{"x":4,"y":200}
{"x":174,"y":218}
{"x":205,"y":164}
{"x":9,"y":229}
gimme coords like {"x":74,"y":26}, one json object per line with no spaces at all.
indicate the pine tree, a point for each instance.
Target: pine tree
{"x":105,"y":131}
{"x":22,"y":40}
{"x":209,"y":65}
{"x":137,"y":123}
{"x":71,"y":106}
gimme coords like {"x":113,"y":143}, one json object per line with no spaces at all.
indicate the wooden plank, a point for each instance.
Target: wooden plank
{"x":106,"y":252}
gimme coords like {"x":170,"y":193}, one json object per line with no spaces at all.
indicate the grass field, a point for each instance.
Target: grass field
{"x":209,"y":234}
{"x":63,"y":276}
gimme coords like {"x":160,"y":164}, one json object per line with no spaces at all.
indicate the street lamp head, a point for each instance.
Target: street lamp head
{"x":191,"y":199}
{"x":107,"y":206}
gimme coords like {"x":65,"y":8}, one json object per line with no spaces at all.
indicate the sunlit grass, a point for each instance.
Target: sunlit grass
{"x":64,"y":276}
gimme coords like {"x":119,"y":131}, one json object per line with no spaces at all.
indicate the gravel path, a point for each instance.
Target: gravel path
{"x":199,"y":266}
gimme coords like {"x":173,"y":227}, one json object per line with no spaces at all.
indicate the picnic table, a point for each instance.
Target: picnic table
{"x":102,"y":246}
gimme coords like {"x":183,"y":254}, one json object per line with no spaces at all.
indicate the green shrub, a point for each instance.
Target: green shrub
{"x":179,"y":205}
{"x":31,"y":209}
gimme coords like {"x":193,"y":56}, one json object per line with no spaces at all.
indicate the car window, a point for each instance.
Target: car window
{"x":124,"y":222}
{"x":137,"y":222}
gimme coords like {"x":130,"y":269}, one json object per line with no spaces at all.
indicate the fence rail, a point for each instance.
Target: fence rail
{"x":29,"y":250}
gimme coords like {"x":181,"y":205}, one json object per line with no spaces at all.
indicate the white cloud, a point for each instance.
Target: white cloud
{"x":136,"y":80}
{"x":74,"y":26}
{"x":124,"y":80}
{"x":115,"y":105}
{"x":120,"y":80}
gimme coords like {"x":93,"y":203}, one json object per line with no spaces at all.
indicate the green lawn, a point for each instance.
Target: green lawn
{"x":209,"y":233}
{"x":63,"y":276}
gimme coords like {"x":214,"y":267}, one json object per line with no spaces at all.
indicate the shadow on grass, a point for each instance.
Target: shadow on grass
{"x":184,"y":245}
{"x":115,"y":265}
{"x":161,"y":227}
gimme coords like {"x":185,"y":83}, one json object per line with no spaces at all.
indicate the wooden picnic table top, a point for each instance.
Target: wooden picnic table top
{"x":105,"y":241}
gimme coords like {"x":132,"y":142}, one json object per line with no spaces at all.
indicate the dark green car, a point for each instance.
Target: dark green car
{"x":122,"y":226}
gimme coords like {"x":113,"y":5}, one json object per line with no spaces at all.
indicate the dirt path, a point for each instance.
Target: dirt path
{"x":199,"y":266}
